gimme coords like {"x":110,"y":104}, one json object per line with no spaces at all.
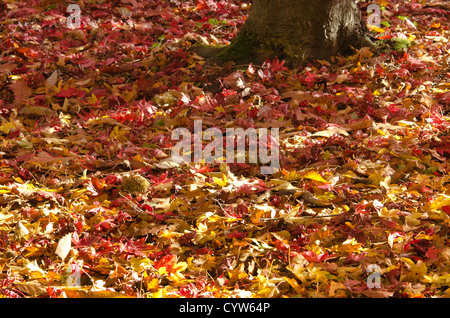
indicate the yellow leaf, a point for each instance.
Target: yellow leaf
{"x":416,"y":270}
{"x":219,"y":109}
{"x":210,"y":263}
{"x":104,"y":264}
{"x":153,"y":284}
{"x":408,"y":261}
{"x":5,"y":190}
{"x":318,"y":275}
{"x":348,"y":246}
{"x":160,"y":293}
{"x":236,"y":274}
{"x":140,"y":264}
{"x":313,"y":175}
{"x":376,"y":29}
{"x":118,"y":133}
{"x":32,"y":251}
{"x":40,"y":90}
{"x":436,"y":279}
{"x":92,"y":99}
{"x":18,"y":179}
{"x":221,"y":182}
{"x":292,"y":175}
{"x":180,"y":266}
{"x":294,"y":284}
{"x":6,"y":128}
{"x":349,"y":224}
{"x":162,"y":270}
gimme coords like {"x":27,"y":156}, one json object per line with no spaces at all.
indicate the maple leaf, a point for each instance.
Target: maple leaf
{"x":20,"y":88}
{"x":87,"y":181}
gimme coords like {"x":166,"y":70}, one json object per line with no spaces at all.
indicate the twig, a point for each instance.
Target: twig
{"x":302,"y":217}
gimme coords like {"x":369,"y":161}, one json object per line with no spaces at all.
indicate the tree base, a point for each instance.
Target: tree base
{"x":244,"y":49}
{"x":295,"y":32}
{"x":206,"y":51}
{"x":247,"y":48}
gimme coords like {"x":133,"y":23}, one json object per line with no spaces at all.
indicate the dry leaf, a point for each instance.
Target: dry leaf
{"x":37,"y":111}
{"x":21,"y":230}
{"x":33,"y":288}
{"x":64,"y":246}
{"x":359,"y":125}
{"x":52,"y":80}
{"x":80,"y":293}
{"x":7,"y":67}
{"x":20,"y":89}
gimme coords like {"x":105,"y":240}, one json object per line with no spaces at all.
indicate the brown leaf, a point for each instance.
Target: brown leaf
{"x":80,"y":293}
{"x":37,"y":111}
{"x":377,"y":293}
{"x":7,"y":67}
{"x":20,"y":89}
{"x":311,"y":199}
{"x":359,"y":125}
{"x":34,"y":288}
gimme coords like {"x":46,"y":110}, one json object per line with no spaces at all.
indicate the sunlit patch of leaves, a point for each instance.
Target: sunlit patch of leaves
{"x":91,"y":204}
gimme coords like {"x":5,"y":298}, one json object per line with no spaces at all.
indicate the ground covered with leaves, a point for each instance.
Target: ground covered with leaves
{"x":91,"y":204}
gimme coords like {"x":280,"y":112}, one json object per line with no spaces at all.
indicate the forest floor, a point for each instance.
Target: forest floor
{"x":92,"y":203}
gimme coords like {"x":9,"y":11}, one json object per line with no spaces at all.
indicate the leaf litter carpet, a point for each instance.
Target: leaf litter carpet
{"x":91,"y":204}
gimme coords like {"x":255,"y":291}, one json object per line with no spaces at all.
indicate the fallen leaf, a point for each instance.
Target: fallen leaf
{"x":64,"y":246}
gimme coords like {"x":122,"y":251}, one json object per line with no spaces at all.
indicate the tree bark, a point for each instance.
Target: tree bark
{"x":297,"y":31}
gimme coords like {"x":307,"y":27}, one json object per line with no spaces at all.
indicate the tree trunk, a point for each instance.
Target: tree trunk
{"x":297,"y":31}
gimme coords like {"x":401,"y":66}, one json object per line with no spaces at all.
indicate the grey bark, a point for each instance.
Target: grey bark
{"x":298,"y":31}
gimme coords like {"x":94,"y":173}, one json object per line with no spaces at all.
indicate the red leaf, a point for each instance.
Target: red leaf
{"x":446,"y":209}
{"x":433,"y":253}
{"x":112,"y":179}
{"x":167,"y":261}
{"x":313,"y":257}
{"x":236,"y":234}
{"x":444,"y":98}
{"x":71,"y":92}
